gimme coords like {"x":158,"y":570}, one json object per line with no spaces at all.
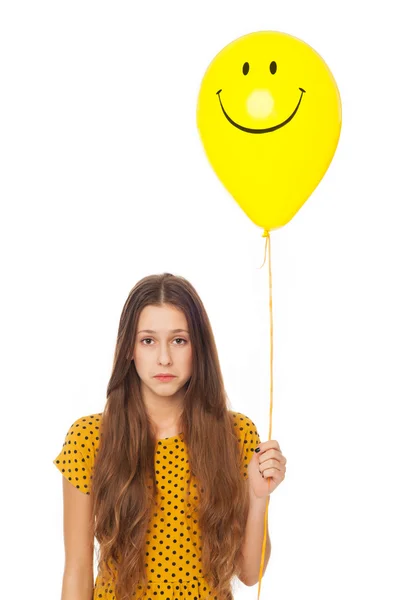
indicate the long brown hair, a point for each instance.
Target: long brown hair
{"x":124,"y":480}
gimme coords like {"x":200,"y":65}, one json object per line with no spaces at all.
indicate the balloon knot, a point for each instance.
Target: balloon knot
{"x":266,"y":233}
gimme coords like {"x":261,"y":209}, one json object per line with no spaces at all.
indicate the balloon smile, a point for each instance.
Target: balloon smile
{"x":267,"y":129}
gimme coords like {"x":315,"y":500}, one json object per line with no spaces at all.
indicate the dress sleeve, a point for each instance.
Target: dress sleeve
{"x":76,"y":457}
{"x":249,"y":439}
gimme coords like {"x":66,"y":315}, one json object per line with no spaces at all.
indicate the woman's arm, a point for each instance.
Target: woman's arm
{"x":252,"y":543}
{"x":77,"y":585}
{"x":78,"y":543}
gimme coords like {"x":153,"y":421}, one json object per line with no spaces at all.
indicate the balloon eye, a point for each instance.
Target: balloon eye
{"x":272,"y":67}
{"x":246,"y":68}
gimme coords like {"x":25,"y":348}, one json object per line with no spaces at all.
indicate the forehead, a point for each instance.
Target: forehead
{"x":162,"y":319}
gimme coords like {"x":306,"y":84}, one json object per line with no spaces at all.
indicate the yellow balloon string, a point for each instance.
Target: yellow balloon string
{"x":267,"y":243}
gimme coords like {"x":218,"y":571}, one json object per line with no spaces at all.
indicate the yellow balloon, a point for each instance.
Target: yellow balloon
{"x":269,"y":116}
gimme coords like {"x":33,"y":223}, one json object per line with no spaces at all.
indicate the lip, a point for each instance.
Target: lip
{"x":165,"y":377}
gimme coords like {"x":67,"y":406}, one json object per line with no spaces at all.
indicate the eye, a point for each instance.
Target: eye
{"x":245,"y":68}
{"x":145,"y":339}
{"x":273,"y":67}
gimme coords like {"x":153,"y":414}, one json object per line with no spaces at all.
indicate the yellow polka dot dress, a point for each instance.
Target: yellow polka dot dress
{"x":173,"y":562}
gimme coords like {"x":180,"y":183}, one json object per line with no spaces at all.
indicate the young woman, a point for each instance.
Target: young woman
{"x":166,"y":478}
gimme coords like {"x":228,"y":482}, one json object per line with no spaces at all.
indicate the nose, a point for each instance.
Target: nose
{"x":260,"y":104}
{"x":164,"y":356}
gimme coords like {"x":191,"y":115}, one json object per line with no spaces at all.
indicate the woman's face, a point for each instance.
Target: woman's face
{"x":162,"y":345}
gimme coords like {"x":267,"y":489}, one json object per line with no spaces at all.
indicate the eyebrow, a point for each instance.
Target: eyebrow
{"x":152,"y":331}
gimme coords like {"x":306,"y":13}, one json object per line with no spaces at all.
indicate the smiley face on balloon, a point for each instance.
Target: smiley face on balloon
{"x":269,"y":117}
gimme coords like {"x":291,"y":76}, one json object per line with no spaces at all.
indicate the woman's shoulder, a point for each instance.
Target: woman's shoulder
{"x":86,"y":430}
{"x":92,"y":421}
{"x":84,"y":433}
{"x":243,"y":424}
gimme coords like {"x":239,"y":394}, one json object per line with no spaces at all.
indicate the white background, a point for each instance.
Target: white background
{"x":104,"y":180}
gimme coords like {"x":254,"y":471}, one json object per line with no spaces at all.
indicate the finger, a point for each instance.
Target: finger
{"x":272,"y":463}
{"x":273,"y":473}
{"x":268,"y":445}
{"x":273,"y":454}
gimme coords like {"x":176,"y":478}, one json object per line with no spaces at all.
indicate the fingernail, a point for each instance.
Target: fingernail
{"x":257,"y":450}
